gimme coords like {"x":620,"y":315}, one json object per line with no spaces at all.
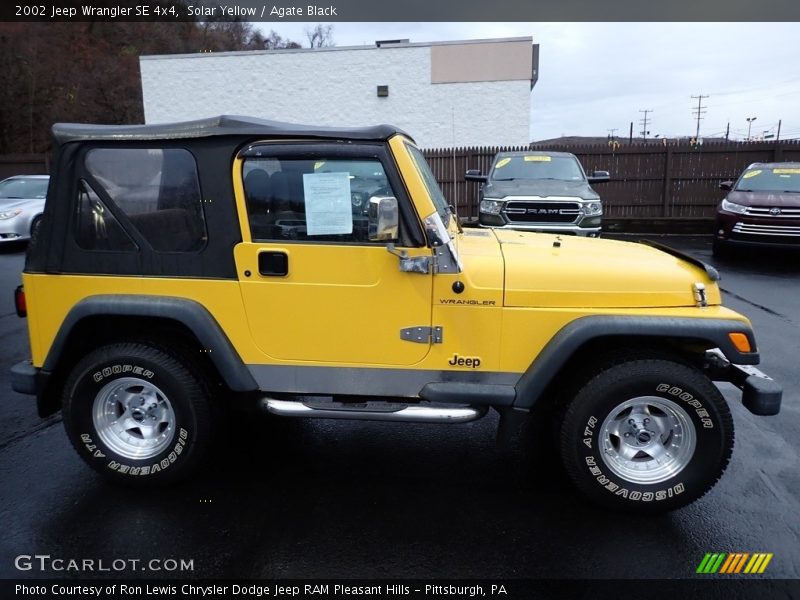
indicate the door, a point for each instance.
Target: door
{"x":318,"y":289}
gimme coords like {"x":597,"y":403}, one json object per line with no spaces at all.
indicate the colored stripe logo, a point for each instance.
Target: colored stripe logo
{"x":732,"y":563}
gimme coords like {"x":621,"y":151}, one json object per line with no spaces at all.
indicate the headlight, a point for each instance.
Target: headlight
{"x":733,"y":207}
{"x":10,"y":214}
{"x":592,"y":208}
{"x":491,"y":207}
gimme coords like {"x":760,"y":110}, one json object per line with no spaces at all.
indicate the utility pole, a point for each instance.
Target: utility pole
{"x":778,"y":136}
{"x":630,"y":135}
{"x":698,"y":113}
{"x":643,"y":121}
{"x":611,"y":133}
{"x":727,"y":131}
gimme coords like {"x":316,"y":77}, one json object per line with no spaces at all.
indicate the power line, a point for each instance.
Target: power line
{"x":698,"y":113}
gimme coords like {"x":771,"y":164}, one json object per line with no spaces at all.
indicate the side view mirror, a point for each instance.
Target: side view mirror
{"x":384,"y":219}
{"x":726,"y":186}
{"x":475,"y":175}
{"x":599,"y":177}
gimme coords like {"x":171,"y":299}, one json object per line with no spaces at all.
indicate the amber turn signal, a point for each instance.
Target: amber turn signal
{"x":741,"y":342}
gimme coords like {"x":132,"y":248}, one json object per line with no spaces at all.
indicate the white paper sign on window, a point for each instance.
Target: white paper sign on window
{"x":329,"y":210}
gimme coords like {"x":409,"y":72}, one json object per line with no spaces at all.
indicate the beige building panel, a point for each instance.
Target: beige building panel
{"x":499,"y":61}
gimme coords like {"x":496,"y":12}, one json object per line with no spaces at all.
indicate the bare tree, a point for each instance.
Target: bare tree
{"x":275,"y":42}
{"x":320,"y":36}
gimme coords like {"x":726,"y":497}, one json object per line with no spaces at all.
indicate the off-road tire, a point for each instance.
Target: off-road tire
{"x":590,"y":451}
{"x":168,"y":384}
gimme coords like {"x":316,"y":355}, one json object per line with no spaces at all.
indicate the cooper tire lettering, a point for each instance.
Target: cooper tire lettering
{"x":180,"y":396}
{"x":585,"y":432}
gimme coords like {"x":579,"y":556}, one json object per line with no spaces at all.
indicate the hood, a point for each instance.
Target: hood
{"x":766,"y":199}
{"x":538,"y":187}
{"x":584,"y":272}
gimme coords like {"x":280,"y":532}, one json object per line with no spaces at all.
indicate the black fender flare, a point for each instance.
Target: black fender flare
{"x":575,"y":334}
{"x":189,"y":313}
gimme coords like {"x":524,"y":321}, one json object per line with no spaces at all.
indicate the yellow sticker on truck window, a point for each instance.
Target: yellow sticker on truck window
{"x":786,"y":171}
{"x":502,"y":163}
{"x":537,"y":158}
{"x":750,"y":174}
{"x":319,"y":164}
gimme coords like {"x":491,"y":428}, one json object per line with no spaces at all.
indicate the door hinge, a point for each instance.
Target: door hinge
{"x":422,"y":335}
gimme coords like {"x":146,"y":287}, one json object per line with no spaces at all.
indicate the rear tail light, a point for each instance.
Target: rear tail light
{"x":19,"y":301}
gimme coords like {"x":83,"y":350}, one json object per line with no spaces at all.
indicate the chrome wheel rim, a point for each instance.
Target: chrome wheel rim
{"x":647,"y":440}
{"x":133,"y":418}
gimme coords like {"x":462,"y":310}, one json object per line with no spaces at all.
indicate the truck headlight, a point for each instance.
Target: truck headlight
{"x":733,"y":207}
{"x":592,"y":208}
{"x":491,"y":207}
{"x":10,"y":214}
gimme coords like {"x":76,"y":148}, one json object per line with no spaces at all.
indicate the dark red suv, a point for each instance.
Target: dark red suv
{"x":762,"y":208}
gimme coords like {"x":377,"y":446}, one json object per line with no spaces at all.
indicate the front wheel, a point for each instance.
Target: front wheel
{"x":646,"y":436}
{"x":137,"y":414}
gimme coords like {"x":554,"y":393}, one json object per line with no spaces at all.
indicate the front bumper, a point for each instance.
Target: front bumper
{"x":10,"y":236}
{"x":761,"y":394}
{"x":750,"y":230}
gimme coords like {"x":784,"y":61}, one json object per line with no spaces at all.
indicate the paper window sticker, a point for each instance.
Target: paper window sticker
{"x":329,"y":210}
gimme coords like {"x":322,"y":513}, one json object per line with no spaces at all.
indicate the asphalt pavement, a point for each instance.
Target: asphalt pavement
{"x":337,"y":499}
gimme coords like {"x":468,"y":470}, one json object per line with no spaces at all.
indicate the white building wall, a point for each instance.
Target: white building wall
{"x":338,"y":87}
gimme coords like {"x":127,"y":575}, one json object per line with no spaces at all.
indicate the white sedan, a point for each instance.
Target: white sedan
{"x":21,"y":206}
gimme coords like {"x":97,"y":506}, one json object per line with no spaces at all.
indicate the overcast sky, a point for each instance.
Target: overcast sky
{"x":597,"y":76}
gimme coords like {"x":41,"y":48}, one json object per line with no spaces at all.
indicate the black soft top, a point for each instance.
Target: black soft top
{"x":217,"y":126}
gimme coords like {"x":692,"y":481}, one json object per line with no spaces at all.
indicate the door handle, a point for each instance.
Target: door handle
{"x":273,"y":264}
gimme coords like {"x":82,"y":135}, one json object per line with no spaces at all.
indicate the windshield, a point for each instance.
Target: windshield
{"x":778,"y":179}
{"x":434,"y":191}
{"x":23,"y":187}
{"x":537,"y":166}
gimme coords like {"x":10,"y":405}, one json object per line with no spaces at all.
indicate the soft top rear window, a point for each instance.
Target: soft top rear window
{"x":158,"y":191}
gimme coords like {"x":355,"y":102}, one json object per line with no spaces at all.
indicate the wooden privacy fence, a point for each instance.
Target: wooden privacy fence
{"x":674,"y":181}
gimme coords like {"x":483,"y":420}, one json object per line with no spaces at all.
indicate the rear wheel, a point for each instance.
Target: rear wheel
{"x":137,"y":414}
{"x":646,"y":436}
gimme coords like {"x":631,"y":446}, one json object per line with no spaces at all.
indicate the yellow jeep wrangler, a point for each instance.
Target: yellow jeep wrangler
{"x":319,"y":272}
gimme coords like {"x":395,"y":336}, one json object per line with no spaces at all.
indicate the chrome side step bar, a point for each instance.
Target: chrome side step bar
{"x":374,"y":411}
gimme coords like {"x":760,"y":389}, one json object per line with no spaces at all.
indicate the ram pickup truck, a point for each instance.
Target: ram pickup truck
{"x":540,"y":191}
{"x":183,"y":269}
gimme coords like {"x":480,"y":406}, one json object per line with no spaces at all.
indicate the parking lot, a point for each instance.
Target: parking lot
{"x":337,"y":499}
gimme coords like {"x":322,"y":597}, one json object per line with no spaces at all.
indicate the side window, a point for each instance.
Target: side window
{"x":95,"y":227}
{"x":158,"y":191}
{"x":312,"y":200}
